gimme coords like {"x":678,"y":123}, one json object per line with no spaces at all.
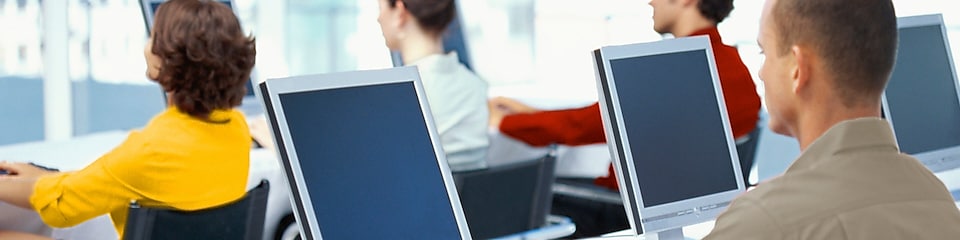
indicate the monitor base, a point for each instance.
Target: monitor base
{"x":672,"y":234}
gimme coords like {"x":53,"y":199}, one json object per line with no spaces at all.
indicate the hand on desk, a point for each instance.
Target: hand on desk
{"x":23,"y":170}
{"x":500,"y":107}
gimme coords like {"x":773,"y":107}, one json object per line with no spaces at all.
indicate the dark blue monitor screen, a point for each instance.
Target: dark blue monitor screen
{"x":674,"y":127}
{"x":922,"y":94}
{"x":369,"y":164}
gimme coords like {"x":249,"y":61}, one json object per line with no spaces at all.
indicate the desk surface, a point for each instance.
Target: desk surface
{"x":696,"y":231}
{"x":586,"y":161}
{"x":67,"y":155}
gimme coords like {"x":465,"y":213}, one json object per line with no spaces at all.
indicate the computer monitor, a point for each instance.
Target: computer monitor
{"x":922,"y":99}
{"x":363,"y":157}
{"x":669,"y":135}
{"x":250,"y":104}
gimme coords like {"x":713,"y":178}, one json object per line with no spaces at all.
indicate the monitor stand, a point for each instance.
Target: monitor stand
{"x":672,"y":234}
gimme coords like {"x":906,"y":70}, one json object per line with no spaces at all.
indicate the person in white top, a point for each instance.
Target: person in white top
{"x":457,"y":97}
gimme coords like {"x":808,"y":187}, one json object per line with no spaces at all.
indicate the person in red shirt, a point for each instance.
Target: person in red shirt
{"x":584,"y":125}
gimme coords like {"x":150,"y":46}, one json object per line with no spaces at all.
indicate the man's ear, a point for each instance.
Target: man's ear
{"x":687,"y":3}
{"x":801,"y":63}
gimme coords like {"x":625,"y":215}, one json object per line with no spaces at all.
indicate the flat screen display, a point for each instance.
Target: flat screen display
{"x":368,"y":163}
{"x":678,"y":155}
{"x":922,"y":93}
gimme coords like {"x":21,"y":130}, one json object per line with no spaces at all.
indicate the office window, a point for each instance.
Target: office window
{"x":21,"y":88}
{"x":542,"y":45}
{"x":107,"y":68}
{"x":564,"y":31}
{"x":546,"y":44}
{"x":325,"y":36}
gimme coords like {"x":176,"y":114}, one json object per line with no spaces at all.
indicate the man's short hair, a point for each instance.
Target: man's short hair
{"x":857,"y":40}
{"x":715,"y":10}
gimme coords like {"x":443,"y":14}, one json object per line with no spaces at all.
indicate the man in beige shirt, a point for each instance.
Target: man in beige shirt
{"x":826,"y":65}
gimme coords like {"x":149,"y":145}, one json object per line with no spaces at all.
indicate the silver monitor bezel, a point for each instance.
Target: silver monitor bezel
{"x":933,"y":160}
{"x":703,"y":208}
{"x":271,"y":90}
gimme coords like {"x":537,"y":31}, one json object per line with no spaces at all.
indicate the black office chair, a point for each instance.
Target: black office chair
{"x":242,"y":220}
{"x":746,"y":151}
{"x":507,"y":199}
{"x":594,"y":209}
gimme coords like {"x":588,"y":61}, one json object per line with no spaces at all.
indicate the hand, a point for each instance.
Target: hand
{"x":260,"y":131}
{"x":22,"y":170}
{"x":500,"y":107}
{"x":496,"y":117}
{"x":510,"y":106}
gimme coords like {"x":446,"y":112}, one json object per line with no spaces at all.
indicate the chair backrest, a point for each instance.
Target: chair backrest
{"x":774,"y":152}
{"x":507,"y":199}
{"x":747,"y":151}
{"x":242,"y":220}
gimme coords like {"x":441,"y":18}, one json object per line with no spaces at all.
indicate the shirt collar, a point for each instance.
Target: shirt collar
{"x":436,"y":60}
{"x":712,"y":32}
{"x":216,"y":116}
{"x":847,"y":136}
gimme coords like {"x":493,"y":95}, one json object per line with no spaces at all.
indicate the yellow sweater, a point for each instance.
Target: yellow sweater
{"x":175,"y":161}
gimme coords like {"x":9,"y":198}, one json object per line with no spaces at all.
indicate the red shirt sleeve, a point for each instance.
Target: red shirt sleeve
{"x":578,"y":126}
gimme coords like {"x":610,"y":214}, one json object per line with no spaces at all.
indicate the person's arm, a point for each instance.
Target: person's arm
{"x":745,"y":220}
{"x":69,"y":198}
{"x":17,"y":185}
{"x":569,"y":127}
{"x":16,"y":191}
{"x":21,"y":236}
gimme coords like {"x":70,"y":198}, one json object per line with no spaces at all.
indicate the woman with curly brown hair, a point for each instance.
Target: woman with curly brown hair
{"x":192,"y":156}
{"x":457,"y":97}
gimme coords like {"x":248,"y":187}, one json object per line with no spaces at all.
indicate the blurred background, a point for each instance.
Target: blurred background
{"x":531,"y":48}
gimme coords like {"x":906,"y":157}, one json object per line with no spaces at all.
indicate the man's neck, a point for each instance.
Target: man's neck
{"x":690,"y":23}
{"x":820,"y":117}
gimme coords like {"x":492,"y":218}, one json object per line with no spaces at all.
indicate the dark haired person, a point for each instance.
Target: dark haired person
{"x":823,"y":83}
{"x":192,"y":156}
{"x":580,"y":126}
{"x":457,"y":97}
